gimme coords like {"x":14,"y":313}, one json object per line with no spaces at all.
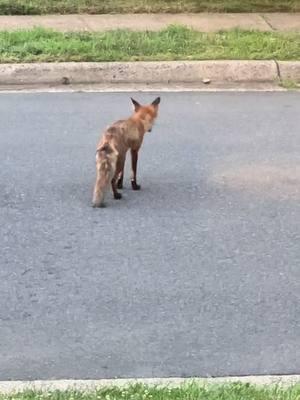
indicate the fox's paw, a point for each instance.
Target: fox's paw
{"x":117,"y":196}
{"x":135,"y":186}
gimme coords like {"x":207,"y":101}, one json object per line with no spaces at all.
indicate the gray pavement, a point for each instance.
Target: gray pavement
{"x":195,"y":275}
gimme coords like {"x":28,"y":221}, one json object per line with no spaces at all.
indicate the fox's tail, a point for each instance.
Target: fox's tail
{"x":106,"y":159}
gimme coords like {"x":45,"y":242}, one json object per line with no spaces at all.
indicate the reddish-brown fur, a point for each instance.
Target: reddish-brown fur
{"x":113,"y":146}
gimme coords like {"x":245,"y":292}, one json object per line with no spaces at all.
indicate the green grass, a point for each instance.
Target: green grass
{"x":194,"y":391}
{"x":138,"y":6}
{"x":173,"y":43}
{"x":290,"y":84}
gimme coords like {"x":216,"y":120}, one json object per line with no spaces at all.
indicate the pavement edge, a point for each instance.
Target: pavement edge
{"x":7,"y":387}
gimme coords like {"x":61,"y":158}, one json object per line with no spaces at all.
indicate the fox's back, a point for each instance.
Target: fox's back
{"x":124,"y":134}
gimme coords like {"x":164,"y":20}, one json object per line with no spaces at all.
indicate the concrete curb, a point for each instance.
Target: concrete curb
{"x":148,"y":72}
{"x":289,"y":70}
{"x":141,"y":72}
{"x":89,"y":385}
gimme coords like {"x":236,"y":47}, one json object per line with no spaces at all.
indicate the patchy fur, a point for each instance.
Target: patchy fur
{"x":116,"y":141}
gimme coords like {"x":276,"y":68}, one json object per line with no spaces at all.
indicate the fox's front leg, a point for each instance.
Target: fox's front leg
{"x":134,"y":159}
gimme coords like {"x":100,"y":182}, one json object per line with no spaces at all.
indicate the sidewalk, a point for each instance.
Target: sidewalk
{"x":205,"y":22}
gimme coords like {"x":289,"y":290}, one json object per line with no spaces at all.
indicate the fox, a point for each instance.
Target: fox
{"x":117,"y":139}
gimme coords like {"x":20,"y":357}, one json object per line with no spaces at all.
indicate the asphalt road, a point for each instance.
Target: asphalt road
{"x":198,"y":274}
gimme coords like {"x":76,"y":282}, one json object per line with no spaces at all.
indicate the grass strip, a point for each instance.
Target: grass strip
{"x":173,"y":43}
{"x":23,"y":7}
{"x":193,"y":391}
{"x":290,"y":84}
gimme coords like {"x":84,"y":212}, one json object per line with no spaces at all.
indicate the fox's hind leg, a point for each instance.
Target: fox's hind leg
{"x":114,"y":182}
{"x":120,"y":180}
{"x":116,"y":194}
{"x":134,"y":160}
{"x":121,"y":175}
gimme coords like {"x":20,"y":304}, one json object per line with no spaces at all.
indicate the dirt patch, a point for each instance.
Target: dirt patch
{"x":276,"y":181}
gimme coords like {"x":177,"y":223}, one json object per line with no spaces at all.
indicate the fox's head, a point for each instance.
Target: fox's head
{"x":146,"y":114}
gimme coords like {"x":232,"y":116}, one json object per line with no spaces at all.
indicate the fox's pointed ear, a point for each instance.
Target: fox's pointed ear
{"x":136,"y":105}
{"x":156,"y":101}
